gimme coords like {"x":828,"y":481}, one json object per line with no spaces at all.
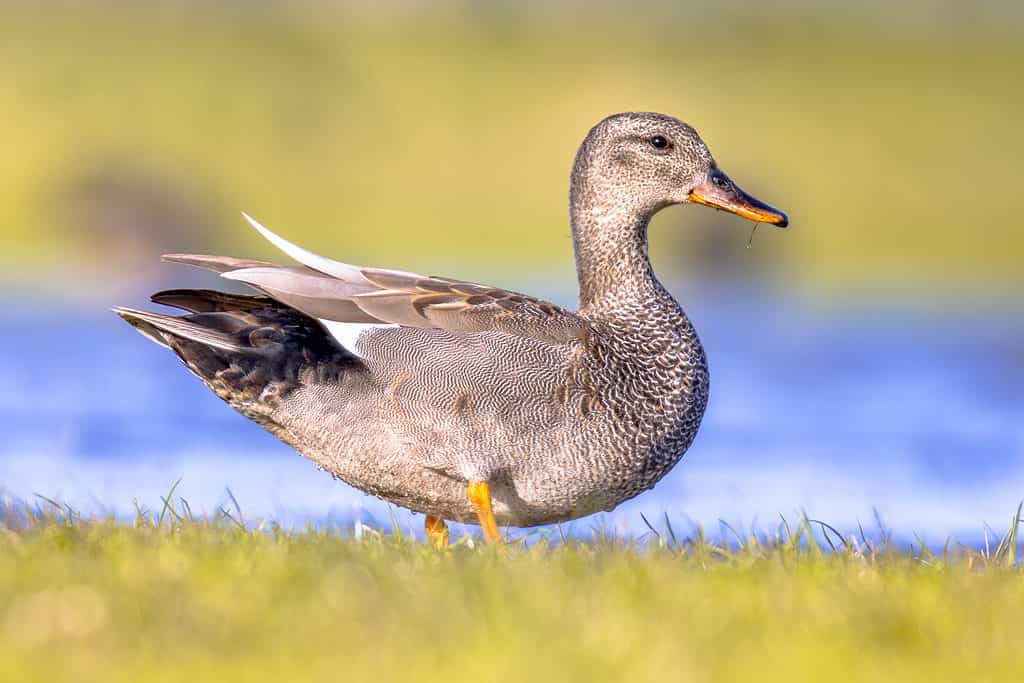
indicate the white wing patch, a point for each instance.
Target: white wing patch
{"x":347,"y":334}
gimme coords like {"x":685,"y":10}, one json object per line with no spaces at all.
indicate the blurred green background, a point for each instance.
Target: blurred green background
{"x":439,"y":137}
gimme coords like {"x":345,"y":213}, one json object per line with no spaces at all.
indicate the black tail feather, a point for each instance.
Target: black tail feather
{"x":210,"y":301}
{"x":251,"y":350}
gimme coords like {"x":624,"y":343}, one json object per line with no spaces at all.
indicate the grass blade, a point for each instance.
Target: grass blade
{"x":167,"y":503}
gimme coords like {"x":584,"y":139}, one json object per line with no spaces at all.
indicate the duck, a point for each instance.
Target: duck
{"x":467,"y":402}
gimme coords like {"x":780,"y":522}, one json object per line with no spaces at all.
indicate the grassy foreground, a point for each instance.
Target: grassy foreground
{"x":168,"y":598}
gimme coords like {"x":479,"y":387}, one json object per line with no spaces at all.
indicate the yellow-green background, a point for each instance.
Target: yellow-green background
{"x":439,"y":137}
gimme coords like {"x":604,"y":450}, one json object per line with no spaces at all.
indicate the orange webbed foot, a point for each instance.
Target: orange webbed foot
{"x":437,"y":532}
{"x":479,"y":493}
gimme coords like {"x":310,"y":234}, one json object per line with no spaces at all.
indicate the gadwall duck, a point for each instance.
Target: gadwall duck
{"x":468,"y":402}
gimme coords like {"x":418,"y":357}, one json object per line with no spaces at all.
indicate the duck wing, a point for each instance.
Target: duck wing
{"x":344,"y":293}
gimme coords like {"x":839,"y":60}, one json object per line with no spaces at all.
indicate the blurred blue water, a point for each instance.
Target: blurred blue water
{"x":838,"y":412}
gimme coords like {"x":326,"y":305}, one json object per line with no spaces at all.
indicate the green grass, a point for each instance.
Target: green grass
{"x":170,"y":597}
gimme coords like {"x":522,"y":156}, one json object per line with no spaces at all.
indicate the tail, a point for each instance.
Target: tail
{"x":250,"y":350}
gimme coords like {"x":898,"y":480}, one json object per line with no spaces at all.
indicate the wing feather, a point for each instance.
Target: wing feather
{"x":345,"y":293}
{"x":313,"y":293}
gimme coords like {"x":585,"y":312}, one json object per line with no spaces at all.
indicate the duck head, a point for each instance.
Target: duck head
{"x":642,"y":162}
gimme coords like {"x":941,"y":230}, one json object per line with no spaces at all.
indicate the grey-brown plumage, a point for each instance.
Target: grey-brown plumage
{"x":409,"y":387}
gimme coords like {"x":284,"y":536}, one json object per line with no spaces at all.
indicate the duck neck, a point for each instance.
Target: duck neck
{"x":610,"y":242}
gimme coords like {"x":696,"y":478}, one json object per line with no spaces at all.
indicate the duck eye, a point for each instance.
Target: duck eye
{"x":659,"y":142}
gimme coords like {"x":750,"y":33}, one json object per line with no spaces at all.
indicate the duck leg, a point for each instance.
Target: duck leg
{"x":479,"y":493}
{"x":437,"y":532}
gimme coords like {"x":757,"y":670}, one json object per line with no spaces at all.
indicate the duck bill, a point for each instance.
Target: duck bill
{"x":719,"y":192}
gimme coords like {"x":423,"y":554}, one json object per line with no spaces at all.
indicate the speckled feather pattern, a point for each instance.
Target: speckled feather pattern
{"x":565,"y":414}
